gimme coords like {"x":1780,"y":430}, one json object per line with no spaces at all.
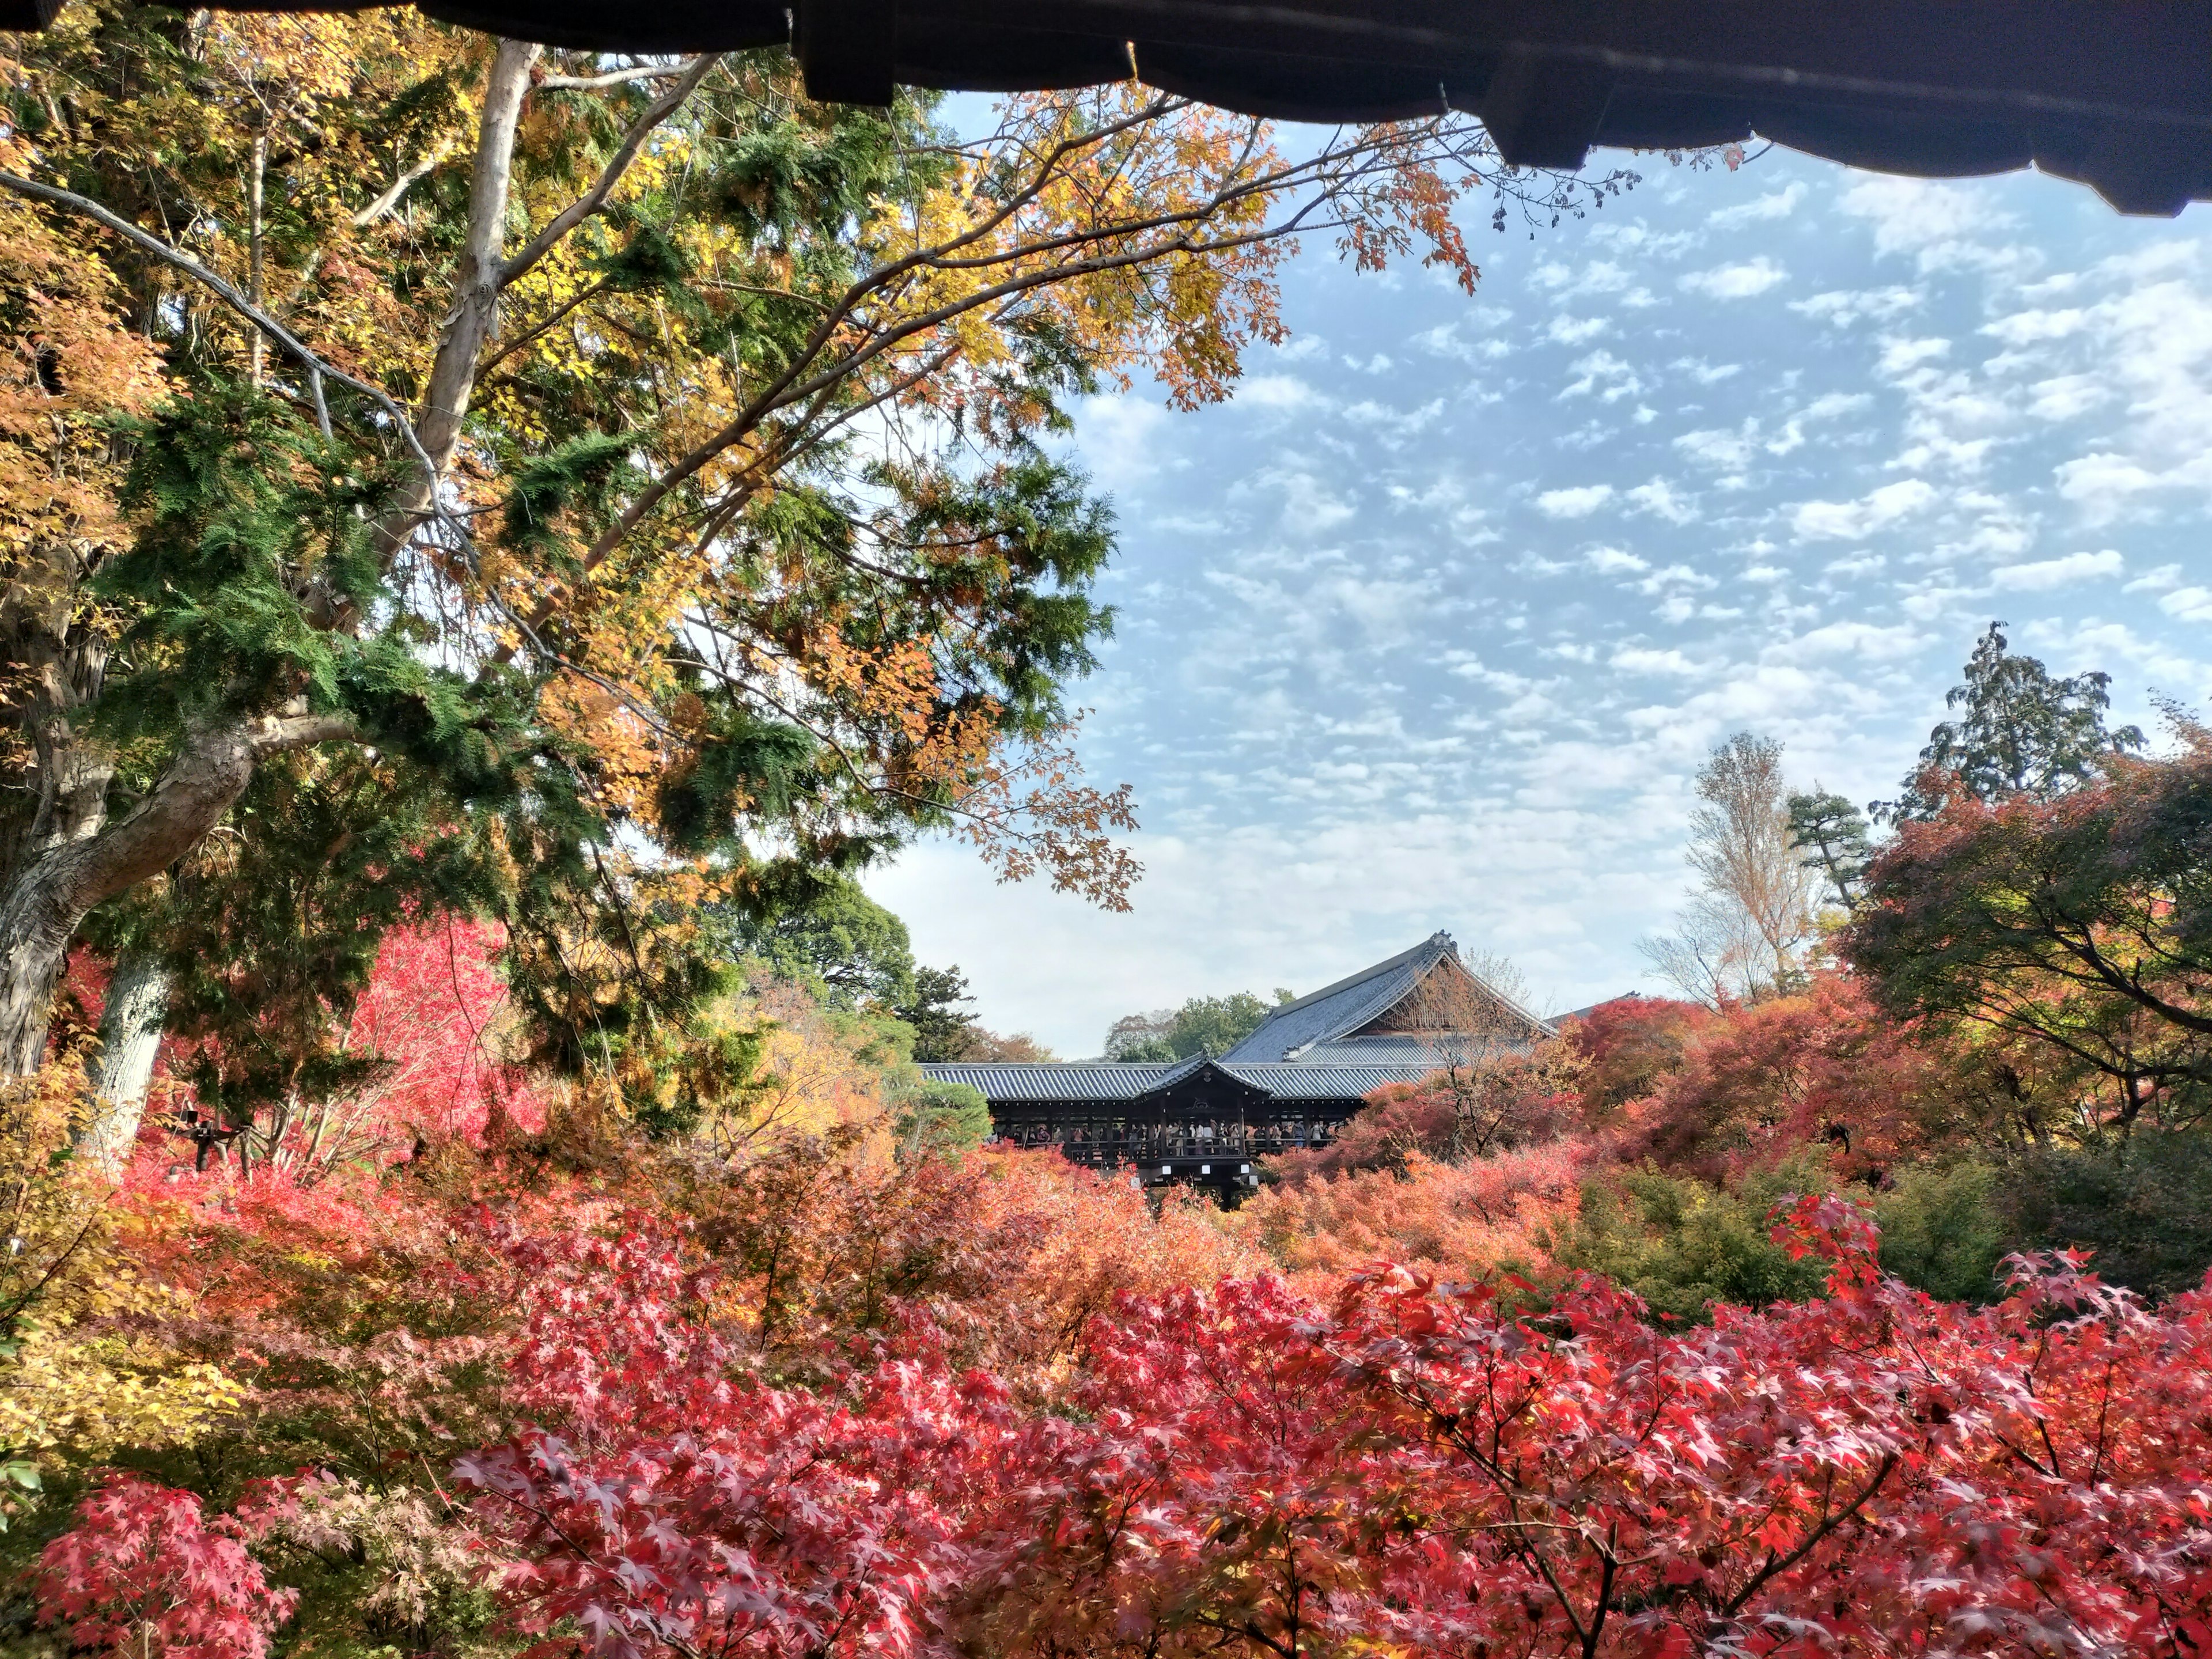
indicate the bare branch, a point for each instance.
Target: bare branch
{"x":611,"y":78}
{"x":319,"y":369}
{"x":398,"y":187}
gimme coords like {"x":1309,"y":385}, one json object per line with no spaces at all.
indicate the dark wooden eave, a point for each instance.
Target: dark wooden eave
{"x":2116,"y":93}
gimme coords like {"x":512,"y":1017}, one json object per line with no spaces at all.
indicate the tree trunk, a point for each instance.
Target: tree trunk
{"x":477,"y":281}
{"x":130,"y":1039}
{"x":40,"y":909}
{"x":68,"y":857}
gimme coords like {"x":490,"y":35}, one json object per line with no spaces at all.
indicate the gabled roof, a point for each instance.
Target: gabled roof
{"x":1292,"y":1084}
{"x":1336,"y":1012}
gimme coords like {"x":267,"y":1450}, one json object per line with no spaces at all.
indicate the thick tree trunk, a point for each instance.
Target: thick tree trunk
{"x":130,"y":1039}
{"x":40,"y":909}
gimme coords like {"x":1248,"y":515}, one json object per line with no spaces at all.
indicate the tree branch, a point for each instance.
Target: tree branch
{"x":594,"y":198}
{"x":611,"y":78}
{"x":398,"y":187}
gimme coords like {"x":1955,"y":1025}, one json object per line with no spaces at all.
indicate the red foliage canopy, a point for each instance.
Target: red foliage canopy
{"x":1414,"y":1468}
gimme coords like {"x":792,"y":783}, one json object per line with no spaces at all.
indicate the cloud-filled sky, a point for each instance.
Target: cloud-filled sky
{"x":1431,"y":626}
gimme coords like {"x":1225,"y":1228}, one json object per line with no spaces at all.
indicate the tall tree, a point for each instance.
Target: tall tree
{"x":2019,"y":732}
{"x":596,"y":457}
{"x":831,"y":930}
{"x":1751,"y":913}
{"x":1830,"y":834}
{"x":942,"y":1031}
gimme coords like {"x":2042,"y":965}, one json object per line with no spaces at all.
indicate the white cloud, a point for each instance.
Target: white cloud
{"x":1829,"y":404}
{"x":1663,"y":499}
{"x":1900,"y":357}
{"x":1577,"y":501}
{"x":1598,"y":276}
{"x":1706,"y":374}
{"x":1613,"y":561}
{"x":1880,"y":509}
{"x":1841,"y":307}
{"x":1930,"y":221}
{"x":1858,"y":638}
{"x":1775,"y":204}
{"x":2046,"y":574}
{"x":1638,"y":659}
{"x":1119,"y":436}
{"x":2188,"y":603}
{"x":2104,"y":485}
{"x":1677,"y":576}
{"x":1617,"y":377}
{"x":1639,"y":239}
{"x":1453,"y":340}
{"x":1744,"y":281}
{"x":2067,"y":397}
{"x":2156,"y":581}
{"x":1725,"y":452}
{"x":1280,"y":391}
{"x":1575,"y":330}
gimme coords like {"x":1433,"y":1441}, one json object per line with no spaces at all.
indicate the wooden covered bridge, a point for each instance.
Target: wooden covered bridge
{"x":1207,"y":1121}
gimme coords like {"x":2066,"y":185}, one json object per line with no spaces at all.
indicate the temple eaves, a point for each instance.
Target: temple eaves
{"x":2115,"y":94}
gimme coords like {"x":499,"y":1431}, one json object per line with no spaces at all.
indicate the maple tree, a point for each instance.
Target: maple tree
{"x":1411,"y":1464}
{"x":145,"y":1572}
{"x":2073,"y":923}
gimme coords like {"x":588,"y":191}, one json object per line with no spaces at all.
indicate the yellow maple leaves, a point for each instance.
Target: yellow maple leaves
{"x":78,"y":1376}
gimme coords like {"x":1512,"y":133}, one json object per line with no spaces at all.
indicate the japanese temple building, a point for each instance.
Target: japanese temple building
{"x":1292,"y":1083}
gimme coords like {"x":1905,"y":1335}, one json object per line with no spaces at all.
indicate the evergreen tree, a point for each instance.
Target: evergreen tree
{"x":2019,"y":732}
{"x":942,"y":1032}
{"x":1831,"y":836}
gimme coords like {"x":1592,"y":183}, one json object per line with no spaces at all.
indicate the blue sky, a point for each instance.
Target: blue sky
{"x":1431,"y":626}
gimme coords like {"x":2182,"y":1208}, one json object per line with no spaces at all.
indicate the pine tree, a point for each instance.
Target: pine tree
{"x":2019,"y":732}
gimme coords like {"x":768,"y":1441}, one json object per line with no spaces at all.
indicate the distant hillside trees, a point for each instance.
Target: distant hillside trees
{"x":1203,"y":1026}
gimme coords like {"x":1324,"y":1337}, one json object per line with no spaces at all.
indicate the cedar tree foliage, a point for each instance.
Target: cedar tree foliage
{"x":600,"y":487}
{"x":2018,"y":732}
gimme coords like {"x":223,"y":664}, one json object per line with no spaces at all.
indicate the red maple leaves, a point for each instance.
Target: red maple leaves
{"x":144,"y":1573}
{"x":1414,"y":1468}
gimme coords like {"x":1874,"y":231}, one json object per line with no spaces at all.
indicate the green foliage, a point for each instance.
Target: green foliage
{"x":1203,"y":1026}
{"x":1682,"y":1245}
{"x":2081,"y":924}
{"x":2019,"y":732}
{"x":709,"y":1068}
{"x":941,"y":1032}
{"x":832,"y":932}
{"x":1943,"y":1230}
{"x":587,"y":471}
{"x":2143,"y":1207}
{"x":1829,"y":834}
{"x":949,"y":1117}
